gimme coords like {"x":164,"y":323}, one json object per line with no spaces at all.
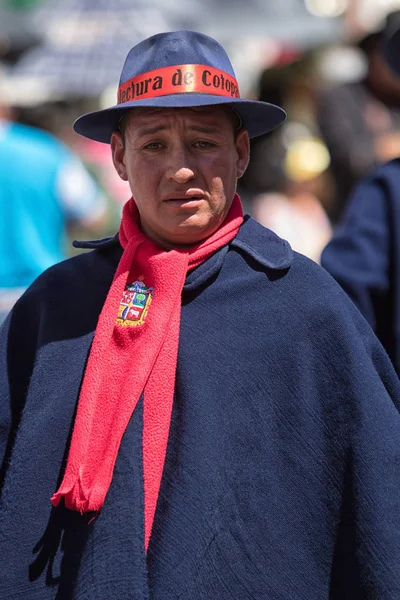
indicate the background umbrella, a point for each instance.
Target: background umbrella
{"x":85,"y":43}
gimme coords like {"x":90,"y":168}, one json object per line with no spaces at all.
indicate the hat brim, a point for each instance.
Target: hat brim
{"x":257,"y":117}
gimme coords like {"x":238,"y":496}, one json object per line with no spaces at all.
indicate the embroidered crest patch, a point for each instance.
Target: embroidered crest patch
{"x":134,"y":304}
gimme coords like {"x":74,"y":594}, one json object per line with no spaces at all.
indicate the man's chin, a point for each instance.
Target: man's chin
{"x":190,"y":234}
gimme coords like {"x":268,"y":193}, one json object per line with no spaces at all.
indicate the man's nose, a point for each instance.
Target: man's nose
{"x":181,"y":168}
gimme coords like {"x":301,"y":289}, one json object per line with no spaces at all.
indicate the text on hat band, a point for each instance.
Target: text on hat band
{"x":179,"y":79}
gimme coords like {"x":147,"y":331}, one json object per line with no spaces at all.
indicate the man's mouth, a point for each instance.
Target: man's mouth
{"x":190,"y":197}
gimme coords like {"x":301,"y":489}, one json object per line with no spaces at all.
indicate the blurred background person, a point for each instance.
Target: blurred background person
{"x":364,"y":254}
{"x":44,"y":188}
{"x":286,"y":186}
{"x":294,"y":210}
{"x":360,"y":120}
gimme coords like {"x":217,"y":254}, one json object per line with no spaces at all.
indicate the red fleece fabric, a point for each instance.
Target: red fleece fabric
{"x":124,"y":360}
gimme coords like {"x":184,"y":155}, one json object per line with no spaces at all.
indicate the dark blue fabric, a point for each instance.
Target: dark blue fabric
{"x":283,"y":462}
{"x":364,"y":254}
{"x":391,"y":48}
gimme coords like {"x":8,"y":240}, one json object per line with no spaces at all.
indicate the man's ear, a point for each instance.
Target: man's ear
{"x":118,"y":154}
{"x":243,"y":152}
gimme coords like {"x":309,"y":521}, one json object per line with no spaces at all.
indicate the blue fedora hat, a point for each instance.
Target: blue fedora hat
{"x":176,"y":70}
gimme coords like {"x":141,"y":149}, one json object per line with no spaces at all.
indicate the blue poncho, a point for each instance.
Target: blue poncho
{"x":282,"y":477}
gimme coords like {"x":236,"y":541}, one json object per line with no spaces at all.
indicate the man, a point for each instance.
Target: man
{"x":364,"y":254}
{"x":44,"y":188}
{"x":209,"y":413}
{"x":367,"y":133}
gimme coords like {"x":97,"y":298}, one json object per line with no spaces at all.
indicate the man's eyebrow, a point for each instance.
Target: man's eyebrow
{"x":151,"y":130}
{"x":203,"y":128}
{"x":199,"y":128}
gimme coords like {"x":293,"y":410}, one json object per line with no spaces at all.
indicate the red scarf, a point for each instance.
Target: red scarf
{"x":135,"y":352}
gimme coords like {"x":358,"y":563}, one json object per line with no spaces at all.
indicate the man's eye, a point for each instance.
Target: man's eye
{"x":153,"y":146}
{"x":203,"y":145}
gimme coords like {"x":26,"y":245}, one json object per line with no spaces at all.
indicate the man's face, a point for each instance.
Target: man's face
{"x":182,"y":165}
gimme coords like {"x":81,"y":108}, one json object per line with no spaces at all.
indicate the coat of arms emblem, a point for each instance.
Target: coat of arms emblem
{"x":134,"y":304}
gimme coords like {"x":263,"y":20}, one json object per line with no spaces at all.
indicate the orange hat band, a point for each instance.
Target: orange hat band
{"x":179,"y":79}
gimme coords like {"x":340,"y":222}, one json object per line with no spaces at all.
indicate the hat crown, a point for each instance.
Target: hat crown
{"x":175,"y":48}
{"x":178,"y":69}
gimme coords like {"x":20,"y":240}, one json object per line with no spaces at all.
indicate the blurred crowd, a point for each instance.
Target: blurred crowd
{"x":342,"y":103}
